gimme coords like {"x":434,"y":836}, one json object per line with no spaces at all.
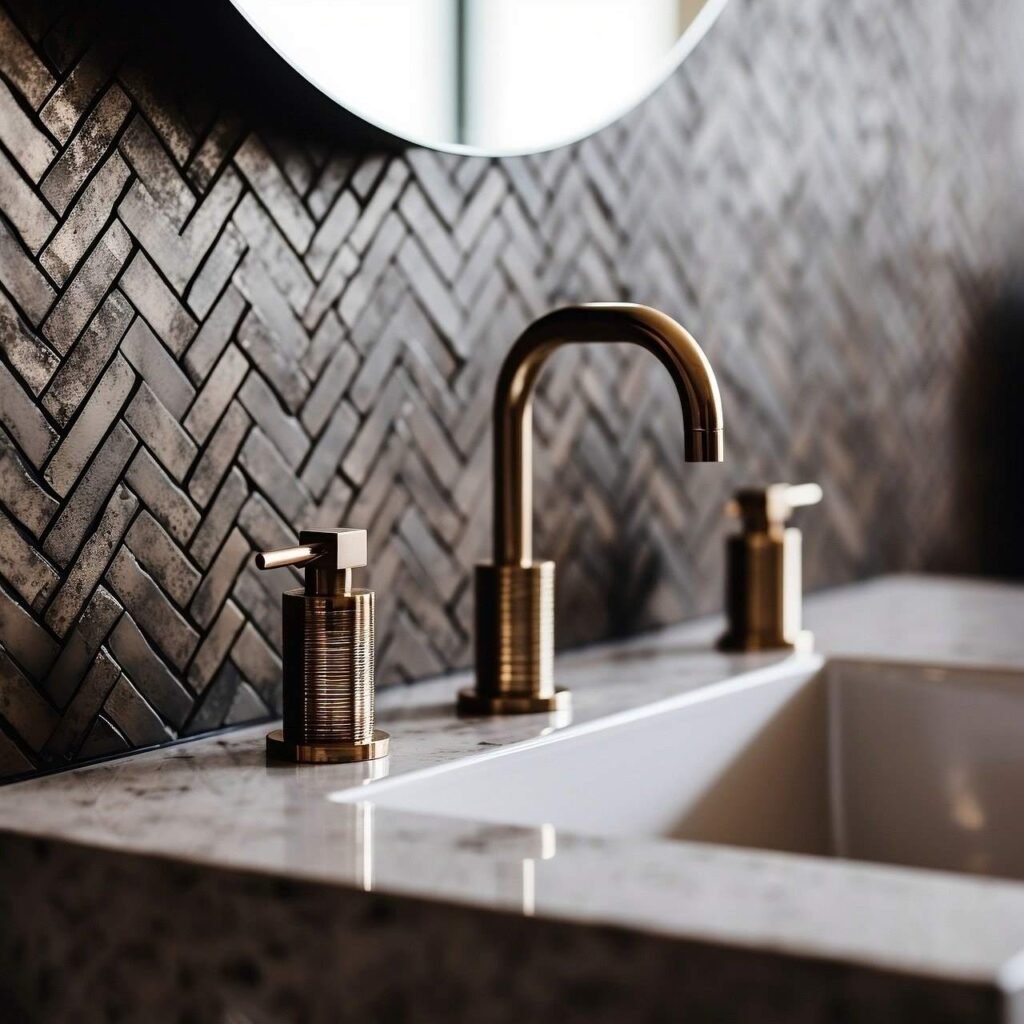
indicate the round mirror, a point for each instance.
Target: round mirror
{"x":483,"y":76}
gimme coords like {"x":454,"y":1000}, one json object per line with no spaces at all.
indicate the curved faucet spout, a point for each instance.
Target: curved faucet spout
{"x":597,"y":322}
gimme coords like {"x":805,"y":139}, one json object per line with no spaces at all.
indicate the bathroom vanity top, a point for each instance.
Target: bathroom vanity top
{"x":216,"y":802}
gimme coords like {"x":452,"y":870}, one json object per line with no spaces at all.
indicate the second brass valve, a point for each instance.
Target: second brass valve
{"x":764,"y":585}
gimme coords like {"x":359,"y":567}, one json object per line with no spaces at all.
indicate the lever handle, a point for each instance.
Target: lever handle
{"x":799,"y":495}
{"x":328,"y":555}
{"x":282,"y":557}
{"x":761,"y":507}
{"x":339,"y":548}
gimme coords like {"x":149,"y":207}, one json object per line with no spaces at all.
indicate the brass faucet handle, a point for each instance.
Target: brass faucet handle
{"x":341,"y":548}
{"x":329,"y":556}
{"x":327,"y":629}
{"x":282,"y":557}
{"x":764,"y":507}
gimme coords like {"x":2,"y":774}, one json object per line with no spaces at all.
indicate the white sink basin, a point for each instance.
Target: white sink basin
{"x":894,"y":763}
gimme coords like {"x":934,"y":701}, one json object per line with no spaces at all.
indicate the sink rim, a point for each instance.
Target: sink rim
{"x":811,"y":663}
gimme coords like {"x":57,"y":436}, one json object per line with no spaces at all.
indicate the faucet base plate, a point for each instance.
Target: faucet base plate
{"x":278,"y":749}
{"x":472,"y":703}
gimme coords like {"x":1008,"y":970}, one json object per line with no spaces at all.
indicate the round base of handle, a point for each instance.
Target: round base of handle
{"x":803,"y":643}
{"x":473,"y":703}
{"x":326,"y":753}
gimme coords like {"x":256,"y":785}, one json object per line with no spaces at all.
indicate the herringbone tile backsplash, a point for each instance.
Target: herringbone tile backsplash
{"x":214,"y":333}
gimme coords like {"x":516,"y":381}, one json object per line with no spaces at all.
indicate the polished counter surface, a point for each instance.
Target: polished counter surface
{"x":215,"y":803}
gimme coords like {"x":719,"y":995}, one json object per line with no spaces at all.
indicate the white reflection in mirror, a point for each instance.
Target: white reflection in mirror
{"x":489,"y":76}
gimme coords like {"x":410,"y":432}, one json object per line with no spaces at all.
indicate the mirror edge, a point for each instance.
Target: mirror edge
{"x":683,"y":47}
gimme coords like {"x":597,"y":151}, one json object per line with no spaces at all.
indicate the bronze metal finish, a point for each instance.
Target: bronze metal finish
{"x":326,"y":753}
{"x":515,"y":640}
{"x":764,"y":588}
{"x":328,"y":687}
{"x":514,"y":594}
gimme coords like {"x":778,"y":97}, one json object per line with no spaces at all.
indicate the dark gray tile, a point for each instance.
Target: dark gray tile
{"x":270,"y":305}
{"x":27,"y":712}
{"x":384,"y":198}
{"x":20,"y":276}
{"x":333,"y":176}
{"x":360,"y":288}
{"x":24,"y":638}
{"x":87,"y":288}
{"x":13,"y":761}
{"x":158,"y":304}
{"x":22,"y":65}
{"x":215,"y":333}
{"x":227,"y":130}
{"x":215,"y":646}
{"x":86,"y":149}
{"x":162,"y":112}
{"x":23,"y":567}
{"x":217,"y":393}
{"x":332,"y":233}
{"x":81,"y":712}
{"x":435,"y":235}
{"x":23,"y":495}
{"x":86,"y":220}
{"x":219,"y":578}
{"x":329,"y":388}
{"x":267,"y":530}
{"x":87,"y":360}
{"x":159,"y":430}
{"x":246,"y":707}
{"x":179,"y":255}
{"x":430,"y":288}
{"x":326,"y":340}
{"x":268,"y":470}
{"x":370,"y":437}
{"x":260,"y":665}
{"x":274,"y":192}
{"x":283,"y":429}
{"x":152,"y":676}
{"x":168,"y":503}
{"x":162,"y":559}
{"x":219,"y":454}
{"x":102,"y":740}
{"x":325,"y":457}
{"x":73,"y":96}
{"x":91,"y":426}
{"x":152,"y":361}
{"x":24,"y":420}
{"x":128,"y":710}
{"x":89,"y":495}
{"x":157,"y":171}
{"x":80,"y":647}
{"x":214,"y":274}
{"x":219,"y":518}
{"x":28,"y":214}
{"x":260,"y":599}
{"x":92,"y":561}
{"x":284,"y":268}
{"x":215,"y":702}
{"x":149,"y":607}
{"x":281,"y":370}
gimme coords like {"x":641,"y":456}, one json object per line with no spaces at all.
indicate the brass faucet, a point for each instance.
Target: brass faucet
{"x":515,"y":595}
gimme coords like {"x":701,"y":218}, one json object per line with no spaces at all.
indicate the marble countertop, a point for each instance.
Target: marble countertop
{"x":217,"y":802}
